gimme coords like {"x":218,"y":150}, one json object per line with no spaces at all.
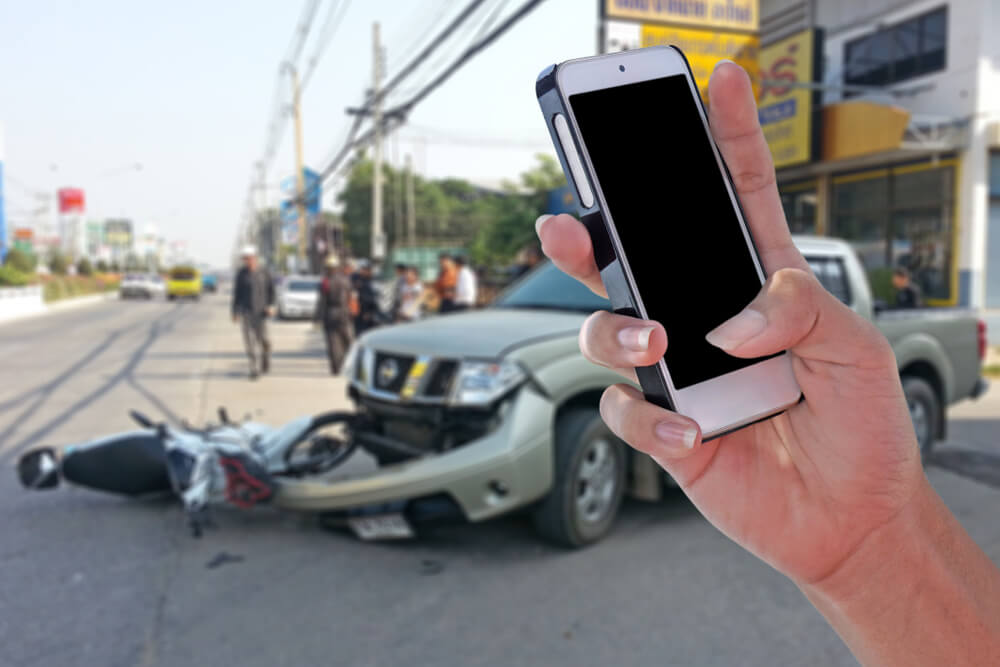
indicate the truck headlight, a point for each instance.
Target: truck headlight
{"x":350,"y":367}
{"x":482,"y":382}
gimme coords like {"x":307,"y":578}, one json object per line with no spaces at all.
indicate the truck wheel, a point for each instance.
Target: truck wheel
{"x":925,"y":412}
{"x":588,"y":484}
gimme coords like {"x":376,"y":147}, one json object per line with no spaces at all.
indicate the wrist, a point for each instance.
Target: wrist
{"x":916,"y":591}
{"x":885,"y":555}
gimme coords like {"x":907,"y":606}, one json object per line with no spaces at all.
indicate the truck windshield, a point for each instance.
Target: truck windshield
{"x":182,"y":274}
{"x":303,"y":285}
{"x":549,"y":288}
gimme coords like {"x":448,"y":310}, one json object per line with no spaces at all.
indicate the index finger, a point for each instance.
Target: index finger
{"x":732,"y":117}
{"x":567,"y":243}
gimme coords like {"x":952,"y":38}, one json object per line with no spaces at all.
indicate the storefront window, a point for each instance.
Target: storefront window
{"x":901,"y":216}
{"x":799,"y":202}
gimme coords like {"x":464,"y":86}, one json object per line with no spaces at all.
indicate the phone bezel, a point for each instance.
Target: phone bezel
{"x":726,"y":401}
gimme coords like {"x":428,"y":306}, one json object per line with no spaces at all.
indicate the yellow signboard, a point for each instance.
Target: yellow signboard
{"x":786,"y":112}
{"x":705,"y":48}
{"x":730,"y":14}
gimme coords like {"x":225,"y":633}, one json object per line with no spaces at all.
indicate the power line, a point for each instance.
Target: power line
{"x":395,"y":116}
{"x":333,"y":20}
{"x":488,"y":19}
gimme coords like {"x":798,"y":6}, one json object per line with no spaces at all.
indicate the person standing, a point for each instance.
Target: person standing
{"x":446,"y":283}
{"x":410,"y":296}
{"x":368,"y":307}
{"x":908,"y":294}
{"x":333,"y":312}
{"x":397,"y":290}
{"x":466,"y":286}
{"x":253,"y":302}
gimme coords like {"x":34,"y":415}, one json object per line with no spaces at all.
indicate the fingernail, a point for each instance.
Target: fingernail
{"x":737,"y":329}
{"x":673,"y":433}
{"x":635,"y":338}
{"x":724,"y":60}
{"x":541,"y":221}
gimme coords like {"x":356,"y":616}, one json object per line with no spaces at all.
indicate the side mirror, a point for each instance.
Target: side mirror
{"x":880,"y":305}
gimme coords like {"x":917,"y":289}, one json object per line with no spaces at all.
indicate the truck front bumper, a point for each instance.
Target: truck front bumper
{"x":501,"y":471}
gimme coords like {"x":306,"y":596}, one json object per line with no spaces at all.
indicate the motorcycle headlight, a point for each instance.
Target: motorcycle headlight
{"x":482,"y":382}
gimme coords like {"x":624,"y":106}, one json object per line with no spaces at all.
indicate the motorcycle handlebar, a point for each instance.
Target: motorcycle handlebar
{"x":140,"y":419}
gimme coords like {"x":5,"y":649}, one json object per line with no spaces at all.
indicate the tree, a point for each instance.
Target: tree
{"x":58,"y":263}
{"x":116,"y":267}
{"x":84,"y":267}
{"x":21,"y":261}
{"x":102,"y":266}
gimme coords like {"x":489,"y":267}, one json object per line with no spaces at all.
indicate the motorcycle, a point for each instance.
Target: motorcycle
{"x":241,"y":464}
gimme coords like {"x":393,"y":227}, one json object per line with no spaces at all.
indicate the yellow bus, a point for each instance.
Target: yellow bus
{"x":183,"y":281}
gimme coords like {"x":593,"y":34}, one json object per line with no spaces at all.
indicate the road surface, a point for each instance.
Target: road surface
{"x":89,"y":579}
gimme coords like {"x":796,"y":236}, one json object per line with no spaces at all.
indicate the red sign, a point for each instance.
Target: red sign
{"x":70,"y":200}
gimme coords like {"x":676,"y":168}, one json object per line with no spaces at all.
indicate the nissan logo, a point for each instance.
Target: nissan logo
{"x":387,"y":372}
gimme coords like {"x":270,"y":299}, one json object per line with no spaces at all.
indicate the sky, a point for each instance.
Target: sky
{"x":184,"y":89}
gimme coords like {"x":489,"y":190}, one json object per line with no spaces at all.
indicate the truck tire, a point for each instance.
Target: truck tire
{"x":925,"y":412}
{"x":588,"y":481}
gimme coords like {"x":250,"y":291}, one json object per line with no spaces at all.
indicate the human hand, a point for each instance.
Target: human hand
{"x":804,"y":489}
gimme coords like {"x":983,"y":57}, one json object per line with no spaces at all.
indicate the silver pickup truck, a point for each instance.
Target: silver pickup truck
{"x":478,"y":414}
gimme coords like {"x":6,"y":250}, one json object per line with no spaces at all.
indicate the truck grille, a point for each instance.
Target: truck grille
{"x":391,"y":371}
{"x":390,"y":375}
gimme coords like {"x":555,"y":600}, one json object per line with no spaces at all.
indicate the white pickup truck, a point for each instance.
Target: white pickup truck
{"x":481,"y":413}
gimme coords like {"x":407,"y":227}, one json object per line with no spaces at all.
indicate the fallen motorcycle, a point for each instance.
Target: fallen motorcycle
{"x":241,"y":464}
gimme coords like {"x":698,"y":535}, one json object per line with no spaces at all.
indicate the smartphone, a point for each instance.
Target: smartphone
{"x":669,"y":236}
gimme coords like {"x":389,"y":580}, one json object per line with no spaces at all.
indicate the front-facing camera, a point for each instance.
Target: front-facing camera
{"x":621,"y":68}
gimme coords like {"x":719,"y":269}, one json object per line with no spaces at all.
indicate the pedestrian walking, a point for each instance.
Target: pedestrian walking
{"x":446,"y":283}
{"x":466,"y":286}
{"x":333,"y":313}
{"x":253,"y":302}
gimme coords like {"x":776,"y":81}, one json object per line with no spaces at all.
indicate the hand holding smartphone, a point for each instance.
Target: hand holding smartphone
{"x":669,"y":235}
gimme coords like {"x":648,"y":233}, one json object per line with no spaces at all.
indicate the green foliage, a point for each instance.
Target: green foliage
{"x":102,"y":266}
{"x":11,"y":277}
{"x":21,"y":261}
{"x":493,"y":225}
{"x":881,"y":284}
{"x":116,"y":267}
{"x":84,"y":267}
{"x":58,"y":263}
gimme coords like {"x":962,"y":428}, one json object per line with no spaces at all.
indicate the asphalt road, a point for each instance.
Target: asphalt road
{"x":89,"y":579}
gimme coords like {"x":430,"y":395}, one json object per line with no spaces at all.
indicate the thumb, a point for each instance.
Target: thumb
{"x":793,"y":311}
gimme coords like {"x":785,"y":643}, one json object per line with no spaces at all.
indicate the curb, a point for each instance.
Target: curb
{"x":61,"y":305}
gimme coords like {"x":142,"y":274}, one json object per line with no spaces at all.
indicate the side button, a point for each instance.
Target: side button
{"x":573,"y":159}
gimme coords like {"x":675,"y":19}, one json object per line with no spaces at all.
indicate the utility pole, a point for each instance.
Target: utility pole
{"x":398,"y":231}
{"x":300,"y":185}
{"x":411,"y":205}
{"x":378,"y":236}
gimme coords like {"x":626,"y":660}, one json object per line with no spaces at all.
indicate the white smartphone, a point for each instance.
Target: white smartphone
{"x":669,"y":235}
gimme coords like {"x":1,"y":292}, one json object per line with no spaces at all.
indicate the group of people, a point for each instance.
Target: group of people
{"x":348,"y":302}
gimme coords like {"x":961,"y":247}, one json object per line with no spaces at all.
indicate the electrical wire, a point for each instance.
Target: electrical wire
{"x":395,"y":116}
{"x":333,"y":20}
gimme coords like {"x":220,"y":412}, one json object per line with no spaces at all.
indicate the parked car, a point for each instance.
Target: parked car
{"x":297,"y":297}
{"x":209,"y":282}
{"x":493,"y":410}
{"x":184,"y":282}
{"x":141,"y":286}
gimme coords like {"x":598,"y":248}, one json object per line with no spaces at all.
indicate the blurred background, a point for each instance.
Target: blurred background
{"x":145,"y":150}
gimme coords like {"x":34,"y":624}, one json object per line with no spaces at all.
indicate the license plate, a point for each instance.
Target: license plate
{"x":381,"y":527}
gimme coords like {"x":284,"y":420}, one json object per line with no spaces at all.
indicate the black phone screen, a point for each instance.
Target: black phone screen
{"x":669,"y":205}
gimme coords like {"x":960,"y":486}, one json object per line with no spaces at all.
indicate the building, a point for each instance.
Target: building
{"x":900,"y":151}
